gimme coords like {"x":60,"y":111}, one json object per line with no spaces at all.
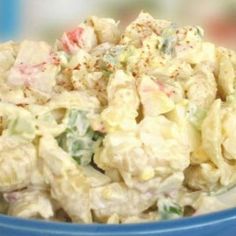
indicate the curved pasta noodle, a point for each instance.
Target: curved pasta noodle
{"x":201,"y":87}
{"x":74,"y":99}
{"x":8,"y":53}
{"x":112,"y":198}
{"x":30,"y":203}
{"x":17,"y":162}
{"x":72,"y":193}
{"x":51,"y":118}
{"x":106,"y":29}
{"x":211,"y":141}
{"x":203,"y":177}
{"x":226,"y":71}
{"x":68,"y":184}
{"x":215,"y":149}
{"x":211,"y":134}
{"x":228,"y":134}
{"x":17,"y":121}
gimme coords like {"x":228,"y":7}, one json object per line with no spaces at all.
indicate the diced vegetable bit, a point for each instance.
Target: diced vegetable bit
{"x":79,"y":140}
{"x":112,"y":58}
{"x":106,"y":73}
{"x":20,"y":125}
{"x":169,"y":40}
{"x":168,"y":46}
{"x":16,"y":122}
{"x":199,"y":32}
{"x":196,"y":115}
{"x":120,"y":57}
{"x":168,"y":209}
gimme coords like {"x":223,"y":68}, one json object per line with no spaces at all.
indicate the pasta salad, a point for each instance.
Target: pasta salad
{"x":117,"y":127}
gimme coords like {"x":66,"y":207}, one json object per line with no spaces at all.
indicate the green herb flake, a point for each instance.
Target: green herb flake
{"x":168,"y":209}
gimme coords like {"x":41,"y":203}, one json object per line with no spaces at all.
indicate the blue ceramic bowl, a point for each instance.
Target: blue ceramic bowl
{"x":218,"y":224}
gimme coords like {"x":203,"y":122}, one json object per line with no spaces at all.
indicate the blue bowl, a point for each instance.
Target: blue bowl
{"x":217,"y":224}
{"x":10,"y":19}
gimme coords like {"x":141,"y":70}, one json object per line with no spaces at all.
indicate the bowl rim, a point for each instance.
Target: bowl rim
{"x":165,"y":226}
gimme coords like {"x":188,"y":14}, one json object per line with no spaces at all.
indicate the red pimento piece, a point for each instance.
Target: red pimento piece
{"x":39,"y":66}
{"x":65,"y":45}
{"x":25,"y":69}
{"x":28,"y":72}
{"x":170,"y":93}
{"x":161,"y":86}
{"x":30,"y":69}
{"x":75,"y":35}
{"x":72,"y":39}
{"x":164,"y":89}
{"x":147,"y":89}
